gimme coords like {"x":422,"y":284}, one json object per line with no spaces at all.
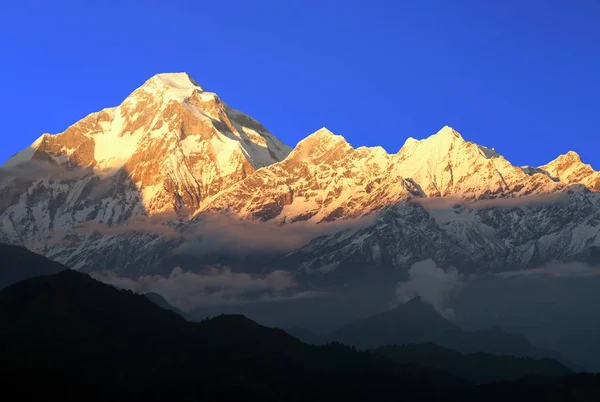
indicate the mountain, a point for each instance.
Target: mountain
{"x":476,"y":367}
{"x":162,"y":302}
{"x":83,"y":337}
{"x":479,"y":237}
{"x":167,"y":147}
{"x":324,"y":178}
{"x":418,"y":322}
{"x":19,"y":264}
{"x":131,"y":189}
{"x":413,"y":322}
{"x":570,"y":169}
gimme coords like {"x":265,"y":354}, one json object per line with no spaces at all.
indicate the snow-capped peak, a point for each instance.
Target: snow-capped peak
{"x":566,"y":163}
{"x":570,"y":169}
{"x":168,"y":86}
{"x":177,"y":143}
{"x":438,"y":144}
{"x":320,"y":145}
{"x":177,"y":80}
{"x":446,"y":164}
{"x":447,"y":131}
{"x":323,"y":134}
{"x":569,"y":157}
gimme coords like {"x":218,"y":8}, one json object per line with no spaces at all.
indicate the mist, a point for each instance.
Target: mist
{"x":533,"y":200}
{"x":433,"y":284}
{"x":217,"y":286}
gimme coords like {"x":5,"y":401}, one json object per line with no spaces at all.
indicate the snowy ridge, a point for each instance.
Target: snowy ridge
{"x":173,"y":151}
{"x":324,"y":178}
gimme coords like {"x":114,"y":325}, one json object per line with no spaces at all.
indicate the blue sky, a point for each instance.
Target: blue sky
{"x":518,"y":75}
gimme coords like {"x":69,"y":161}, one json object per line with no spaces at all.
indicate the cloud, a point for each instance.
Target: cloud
{"x":32,"y":170}
{"x":155,"y":224}
{"x":213,"y":287}
{"x":533,"y":200}
{"x":220,"y":232}
{"x":554,"y":269}
{"x":432,"y":283}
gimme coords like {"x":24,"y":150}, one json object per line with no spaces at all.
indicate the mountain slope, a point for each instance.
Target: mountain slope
{"x":19,"y":264}
{"x":483,"y":236}
{"x":162,"y":302}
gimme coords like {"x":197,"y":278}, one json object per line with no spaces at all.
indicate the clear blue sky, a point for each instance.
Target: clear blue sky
{"x":518,"y":75}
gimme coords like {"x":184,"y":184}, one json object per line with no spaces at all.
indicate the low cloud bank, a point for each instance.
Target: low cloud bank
{"x":555,"y":269}
{"x":433,"y":284}
{"x":222,"y":233}
{"x":213,"y":287}
{"x":534,"y":200}
{"x":157,"y":224}
{"x":226,"y":233}
{"x":32,"y":170}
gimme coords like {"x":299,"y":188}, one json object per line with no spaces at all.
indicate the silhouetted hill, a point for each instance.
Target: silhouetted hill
{"x":70,"y":335}
{"x":162,"y":302}
{"x":412,"y":322}
{"x":17,"y":263}
{"x":71,"y":304}
{"x":307,"y":336}
{"x":70,"y":328}
{"x":418,"y":322}
{"x":476,"y":367}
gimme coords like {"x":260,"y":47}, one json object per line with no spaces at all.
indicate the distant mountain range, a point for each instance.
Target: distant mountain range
{"x":83,"y":337}
{"x":418,"y":322}
{"x":127,"y":189}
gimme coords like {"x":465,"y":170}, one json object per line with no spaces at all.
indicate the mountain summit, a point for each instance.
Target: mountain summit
{"x":166,"y":147}
{"x":569,"y":168}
